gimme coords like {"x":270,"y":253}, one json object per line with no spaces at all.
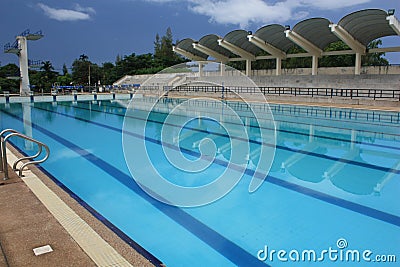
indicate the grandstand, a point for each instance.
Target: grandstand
{"x":313,"y":35}
{"x":274,"y":41}
{"x":129,"y":79}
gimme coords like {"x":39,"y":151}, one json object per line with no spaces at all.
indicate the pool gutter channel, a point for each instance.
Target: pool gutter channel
{"x":90,"y":241}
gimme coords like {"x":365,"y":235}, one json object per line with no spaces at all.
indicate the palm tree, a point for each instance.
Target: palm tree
{"x":48,"y":75}
{"x":83,"y":57}
{"x":47,"y":66}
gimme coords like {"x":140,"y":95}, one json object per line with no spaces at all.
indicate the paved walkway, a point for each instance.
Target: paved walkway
{"x":26,"y":223}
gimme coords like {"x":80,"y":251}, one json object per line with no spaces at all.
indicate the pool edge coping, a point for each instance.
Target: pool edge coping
{"x":304,"y":103}
{"x":268,"y":100}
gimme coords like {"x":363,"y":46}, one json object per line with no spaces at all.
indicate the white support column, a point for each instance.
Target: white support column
{"x":394,"y":23}
{"x":240,"y":52}
{"x":355,"y":45}
{"x":314,"y":70}
{"x":306,"y":45}
{"x":278,"y":66}
{"x":222,"y":68}
{"x":210,"y":52}
{"x":279,"y":54}
{"x":187,"y":54}
{"x":201,"y":69}
{"x":346,"y":37}
{"x":24,"y":88}
{"x":266,"y":46}
{"x":357,"y":67}
{"x":248,"y":67}
{"x":236,"y":50}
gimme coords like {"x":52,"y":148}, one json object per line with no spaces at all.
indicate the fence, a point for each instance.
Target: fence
{"x":298,"y":91}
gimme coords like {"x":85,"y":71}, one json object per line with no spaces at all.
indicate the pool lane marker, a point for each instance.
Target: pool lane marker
{"x":251,"y":126}
{"x":308,"y":153}
{"x":94,"y":246}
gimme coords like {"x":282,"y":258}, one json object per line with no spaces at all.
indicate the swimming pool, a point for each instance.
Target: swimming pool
{"x":330,"y":195}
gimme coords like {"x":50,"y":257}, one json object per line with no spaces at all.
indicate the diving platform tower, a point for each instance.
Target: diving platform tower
{"x":20,"y":48}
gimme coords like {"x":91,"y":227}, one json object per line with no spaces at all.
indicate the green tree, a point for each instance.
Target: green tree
{"x":65,"y":70}
{"x":80,"y":70}
{"x":166,"y":44}
{"x":64,"y":79}
{"x":164,"y":56}
{"x":118,"y":59}
{"x":9,"y":78}
{"x":337,"y":60}
{"x":108,"y":71}
{"x":370,"y":59}
{"x":297,"y":62}
{"x":47,"y":66}
{"x":374,"y":59}
{"x":83,"y":57}
{"x":43,"y":79}
{"x":157,"y":46}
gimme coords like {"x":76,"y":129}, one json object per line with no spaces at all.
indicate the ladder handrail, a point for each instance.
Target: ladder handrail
{"x":28,"y":157}
{"x":4,"y":154}
{"x":2,"y":133}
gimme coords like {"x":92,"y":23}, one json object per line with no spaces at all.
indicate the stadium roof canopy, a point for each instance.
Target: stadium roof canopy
{"x":274,"y":41}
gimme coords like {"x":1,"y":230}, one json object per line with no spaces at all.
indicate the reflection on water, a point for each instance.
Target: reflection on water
{"x":27,"y":120}
{"x":355,"y":151}
{"x":351,"y":160}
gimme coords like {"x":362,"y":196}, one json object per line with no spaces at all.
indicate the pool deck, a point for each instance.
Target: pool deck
{"x":337,"y":105}
{"x":378,"y":105}
{"x":393,"y":106}
{"x":28,"y":220}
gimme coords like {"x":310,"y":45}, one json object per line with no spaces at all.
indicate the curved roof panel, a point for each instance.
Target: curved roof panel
{"x":187,"y":45}
{"x":367,"y":25}
{"x":274,"y":34}
{"x":364,"y":26}
{"x":211,"y":41}
{"x":239,"y":38}
{"x":317,"y":31}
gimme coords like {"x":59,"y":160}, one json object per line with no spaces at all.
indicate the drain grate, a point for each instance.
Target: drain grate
{"x":42,"y":250}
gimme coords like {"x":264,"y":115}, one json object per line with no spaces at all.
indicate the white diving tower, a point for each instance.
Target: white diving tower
{"x":20,"y":48}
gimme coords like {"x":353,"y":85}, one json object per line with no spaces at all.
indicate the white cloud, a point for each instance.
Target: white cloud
{"x":161,"y":1}
{"x":246,"y":12}
{"x":242,"y":12}
{"x":332,"y":4}
{"x":78,"y":13}
{"x":84,"y":9}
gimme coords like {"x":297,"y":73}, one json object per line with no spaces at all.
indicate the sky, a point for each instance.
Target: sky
{"x":103,"y":29}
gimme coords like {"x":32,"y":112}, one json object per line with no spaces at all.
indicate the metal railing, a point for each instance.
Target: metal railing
{"x":7,"y":134}
{"x":334,"y":92}
{"x":374,"y":94}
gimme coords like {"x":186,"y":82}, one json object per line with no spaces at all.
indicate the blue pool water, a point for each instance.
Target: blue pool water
{"x":335,"y":179}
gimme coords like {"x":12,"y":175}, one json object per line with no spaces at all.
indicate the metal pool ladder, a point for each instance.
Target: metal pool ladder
{"x":7,"y":134}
